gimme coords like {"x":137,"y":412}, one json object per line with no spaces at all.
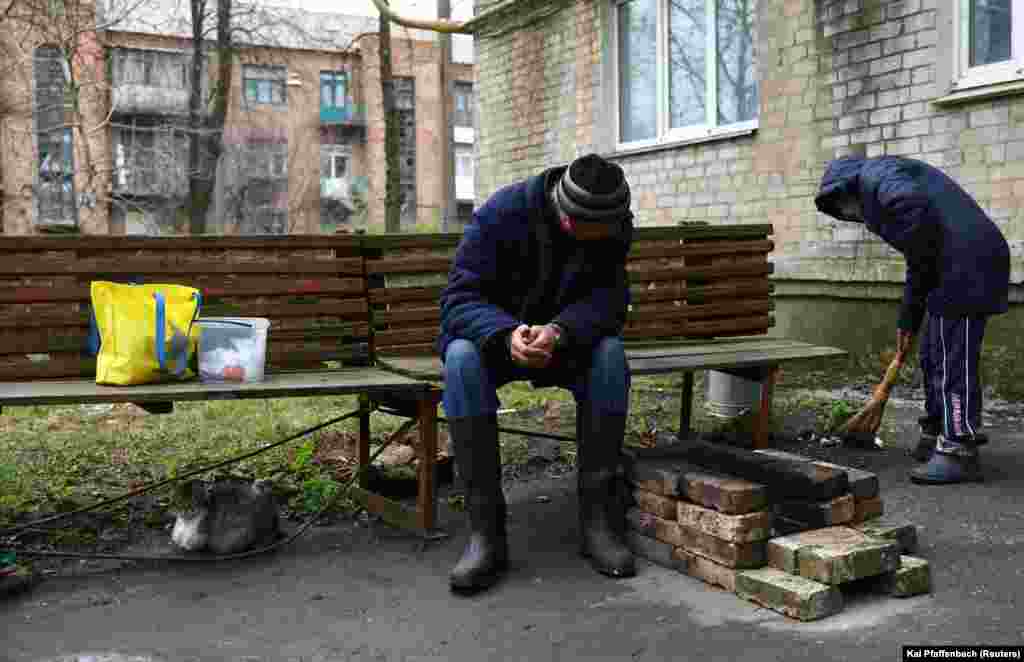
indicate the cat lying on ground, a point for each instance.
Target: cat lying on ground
{"x":226,"y":516}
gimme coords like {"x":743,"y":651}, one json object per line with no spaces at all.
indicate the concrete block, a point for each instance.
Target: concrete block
{"x":728,"y":495}
{"x":887,"y":528}
{"x":723,"y":552}
{"x":783,"y":526}
{"x":781,"y":553}
{"x":866,"y":509}
{"x":783,"y":478}
{"x":661,"y":506}
{"x":794,"y":596}
{"x":913,"y":577}
{"x":655,"y":551}
{"x":653,"y":526}
{"x":833,"y":555}
{"x":819,"y":514}
{"x":706,"y":570}
{"x":748,"y":527}
{"x":673,"y":477}
{"x":863,"y":484}
{"x":653,"y":476}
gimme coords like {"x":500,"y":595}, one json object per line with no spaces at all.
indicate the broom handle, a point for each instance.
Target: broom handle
{"x":892,"y":373}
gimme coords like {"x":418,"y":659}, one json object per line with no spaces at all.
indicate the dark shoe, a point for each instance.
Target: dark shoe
{"x":951,"y":462}
{"x":930,"y":431}
{"x":485,"y":558}
{"x":602,"y":515}
{"x":925,"y":446}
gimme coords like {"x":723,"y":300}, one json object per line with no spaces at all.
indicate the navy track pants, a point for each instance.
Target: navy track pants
{"x":950,"y":351}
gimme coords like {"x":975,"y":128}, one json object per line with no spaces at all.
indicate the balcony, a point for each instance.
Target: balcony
{"x":151,"y":82}
{"x":132,"y":99}
{"x":137,"y":180}
{"x":340,"y":190}
{"x":350,"y":115}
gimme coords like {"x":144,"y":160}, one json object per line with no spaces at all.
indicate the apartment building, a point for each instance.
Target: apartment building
{"x":302,"y":147}
{"x":727,"y":111}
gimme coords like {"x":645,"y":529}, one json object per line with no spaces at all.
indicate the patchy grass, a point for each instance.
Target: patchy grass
{"x":59,"y":458}
{"x":55,"y":459}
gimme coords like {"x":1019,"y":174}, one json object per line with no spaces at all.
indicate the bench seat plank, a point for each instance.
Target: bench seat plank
{"x":738,"y":358}
{"x":371,"y":381}
{"x":663,"y":358}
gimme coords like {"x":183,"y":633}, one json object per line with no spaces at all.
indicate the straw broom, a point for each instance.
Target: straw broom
{"x":869,"y":419}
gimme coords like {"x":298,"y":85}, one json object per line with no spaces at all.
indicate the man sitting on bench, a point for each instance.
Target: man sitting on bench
{"x":538,"y":291}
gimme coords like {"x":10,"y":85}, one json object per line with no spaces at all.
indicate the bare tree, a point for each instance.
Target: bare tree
{"x":392,"y":193}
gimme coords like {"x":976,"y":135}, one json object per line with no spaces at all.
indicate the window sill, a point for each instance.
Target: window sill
{"x":981,"y":93}
{"x":726,"y":134}
{"x":253,"y":105}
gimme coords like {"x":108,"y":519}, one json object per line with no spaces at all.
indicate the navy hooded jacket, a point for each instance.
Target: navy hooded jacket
{"x":513,"y":266}
{"x":958,"y":262}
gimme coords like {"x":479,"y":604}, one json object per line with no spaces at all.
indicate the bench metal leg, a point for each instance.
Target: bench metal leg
{"x":686,"y":406}
{"x":425,"y":501}
{"x":363,"y":449}
{"x":764,"y":413}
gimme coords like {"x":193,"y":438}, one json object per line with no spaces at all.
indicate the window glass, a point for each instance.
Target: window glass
{"x":685,"y":67}
{"x":737,"y":77}
{"x":990,"y":31}
{"x":687,"y":39}
{"x":637,"y":29}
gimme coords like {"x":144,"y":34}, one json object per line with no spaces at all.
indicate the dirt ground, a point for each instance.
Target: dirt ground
{"x":356,"y":589}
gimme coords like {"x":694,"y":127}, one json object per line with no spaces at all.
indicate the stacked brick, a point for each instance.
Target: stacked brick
{"x":794,"y":556}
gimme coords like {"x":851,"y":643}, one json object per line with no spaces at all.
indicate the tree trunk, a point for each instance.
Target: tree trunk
{"x":207,"y":133}
{"x":392,"y":174}
{"x":197,"y":205}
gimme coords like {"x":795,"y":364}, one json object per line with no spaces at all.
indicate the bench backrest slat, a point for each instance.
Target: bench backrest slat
{"x":692,"y":281}
{"x":405,"y":277}
{"x":311,"y":287}
{"x":699,"y":281}
{"x":348,"y":298}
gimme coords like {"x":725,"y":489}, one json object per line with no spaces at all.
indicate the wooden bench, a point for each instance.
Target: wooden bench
{"x":312,"y":288}
{"x":701,"y":299}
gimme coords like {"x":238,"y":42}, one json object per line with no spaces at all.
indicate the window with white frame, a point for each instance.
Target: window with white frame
{"x":686,"y":69}
{"x":465,"y":173}
{"x":990,"y":43}
{"x":333,"y":89}
{"x":338,"y":166}
{"x":264,"y":86}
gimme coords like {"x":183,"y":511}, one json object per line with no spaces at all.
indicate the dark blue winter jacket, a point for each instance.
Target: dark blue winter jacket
{"x":958,"y":262}
{"x":514,"y":266}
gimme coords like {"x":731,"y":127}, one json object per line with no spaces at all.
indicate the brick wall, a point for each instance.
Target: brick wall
{"x":299,"y":121}
{"x":18,"y":141}
{"x":420,"y":61}
{"x":837,"y":77}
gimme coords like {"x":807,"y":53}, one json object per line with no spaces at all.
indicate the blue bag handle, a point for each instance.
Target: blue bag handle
{"x":181,"y":357}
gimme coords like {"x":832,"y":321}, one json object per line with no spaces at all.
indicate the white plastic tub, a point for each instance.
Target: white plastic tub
{"x":232,"y":349}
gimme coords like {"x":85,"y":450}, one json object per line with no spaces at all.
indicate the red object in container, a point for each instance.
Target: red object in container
{"x":235,"y":373}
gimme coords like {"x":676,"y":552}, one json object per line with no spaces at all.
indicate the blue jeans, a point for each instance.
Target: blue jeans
{"x":470,"y":385}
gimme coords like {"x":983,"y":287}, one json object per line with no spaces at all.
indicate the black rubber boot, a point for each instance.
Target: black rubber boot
{"x":485,"y":559}
{"x":602,"y":516}
{"x":951,"y":462}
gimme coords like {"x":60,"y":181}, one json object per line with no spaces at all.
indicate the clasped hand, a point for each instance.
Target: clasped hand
{"x":532,"y":346}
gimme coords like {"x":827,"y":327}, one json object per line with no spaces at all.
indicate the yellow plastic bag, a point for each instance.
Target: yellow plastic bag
{"x":146,"y":332}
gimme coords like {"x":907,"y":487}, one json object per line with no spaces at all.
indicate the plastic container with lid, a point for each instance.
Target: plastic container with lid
{"x":232,"y":349}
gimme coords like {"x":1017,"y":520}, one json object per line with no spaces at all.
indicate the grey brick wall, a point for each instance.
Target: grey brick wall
{"x":837,"y":77}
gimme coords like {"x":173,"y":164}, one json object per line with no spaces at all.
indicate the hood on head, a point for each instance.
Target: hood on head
{"x":841,"y":180}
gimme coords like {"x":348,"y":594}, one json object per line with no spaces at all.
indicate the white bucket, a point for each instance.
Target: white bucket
{"x":232,"y":349}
